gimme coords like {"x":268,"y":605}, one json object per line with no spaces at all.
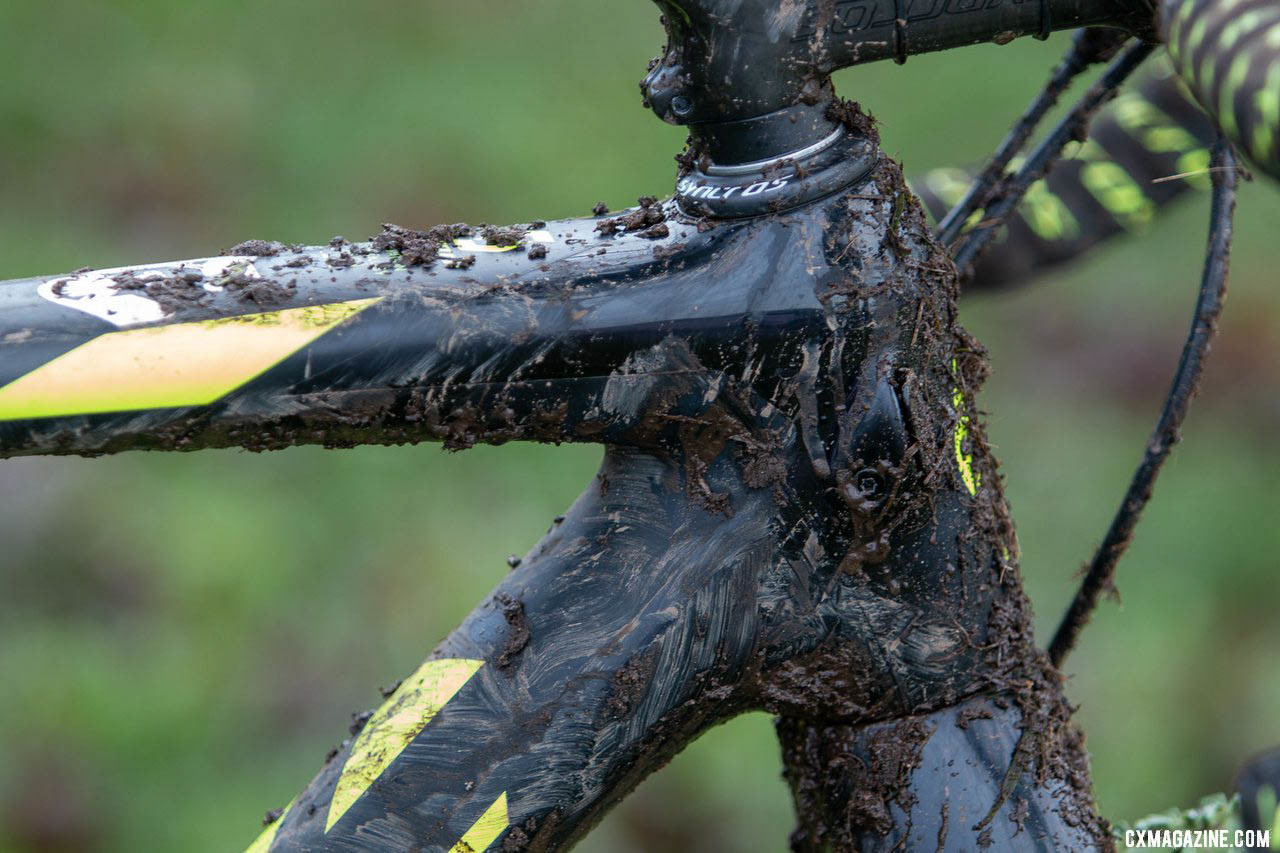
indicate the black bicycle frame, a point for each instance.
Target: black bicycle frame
{"x":796,"y":511}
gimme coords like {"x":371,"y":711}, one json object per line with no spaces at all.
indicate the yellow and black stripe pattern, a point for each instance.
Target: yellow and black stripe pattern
{"x":1228,"y":51}
{"x":388,"y":732}
{"x":168,"y":366}
{"x":1146,"y":148}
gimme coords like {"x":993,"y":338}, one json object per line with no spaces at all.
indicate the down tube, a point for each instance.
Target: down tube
{"x":622,"y":636}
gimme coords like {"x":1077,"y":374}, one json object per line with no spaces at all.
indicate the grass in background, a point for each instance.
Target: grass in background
{"x":182,"y":637}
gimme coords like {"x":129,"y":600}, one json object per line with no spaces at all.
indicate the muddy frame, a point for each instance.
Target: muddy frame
{"x":796,"y":512}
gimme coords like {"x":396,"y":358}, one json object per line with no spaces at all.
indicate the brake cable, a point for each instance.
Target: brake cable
{"x":998,"y":201}
{"x":1204,"y":324}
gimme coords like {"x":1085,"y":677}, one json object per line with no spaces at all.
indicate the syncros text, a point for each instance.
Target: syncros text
{"x":689,"y":188}
{"x":851,"y":16}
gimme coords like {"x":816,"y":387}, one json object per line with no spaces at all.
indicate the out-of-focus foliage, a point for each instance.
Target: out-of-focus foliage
{"x":183,"y":637}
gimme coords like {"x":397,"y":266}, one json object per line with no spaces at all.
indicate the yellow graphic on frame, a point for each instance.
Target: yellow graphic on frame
{"x":486,"y":828}
{"x":161,"y":367}
{"x":394,"y":726}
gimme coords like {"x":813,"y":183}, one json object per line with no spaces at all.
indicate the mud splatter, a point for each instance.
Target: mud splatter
{"x":517,"y":631}
{"x":256,"y":248}
{"x":649,"y":218}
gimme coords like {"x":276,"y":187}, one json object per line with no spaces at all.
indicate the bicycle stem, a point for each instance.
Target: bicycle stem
{"x":752,"y":81}
{"x":731,"y":60}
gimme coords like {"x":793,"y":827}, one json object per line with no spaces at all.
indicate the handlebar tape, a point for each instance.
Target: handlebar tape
{"x":1145,"y":149}
{"x":1228,"y":52}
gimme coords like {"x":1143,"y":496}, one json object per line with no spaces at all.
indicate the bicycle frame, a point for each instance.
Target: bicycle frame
{"x":776,"y":498}
{"x":778,"y":495}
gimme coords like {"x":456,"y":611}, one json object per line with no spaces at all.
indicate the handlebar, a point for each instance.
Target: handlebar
{"x":1228,"y":53}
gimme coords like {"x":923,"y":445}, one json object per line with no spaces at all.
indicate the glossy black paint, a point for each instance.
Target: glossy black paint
{"x":780,"y":521}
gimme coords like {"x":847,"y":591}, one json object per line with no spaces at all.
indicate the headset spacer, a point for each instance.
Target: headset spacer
{"x":725,"y":191}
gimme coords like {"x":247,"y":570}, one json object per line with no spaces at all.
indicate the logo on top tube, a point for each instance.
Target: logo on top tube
{"x":99,"y":293}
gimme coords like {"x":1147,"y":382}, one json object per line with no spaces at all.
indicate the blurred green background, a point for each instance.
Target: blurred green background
{"x":183,"y":637}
